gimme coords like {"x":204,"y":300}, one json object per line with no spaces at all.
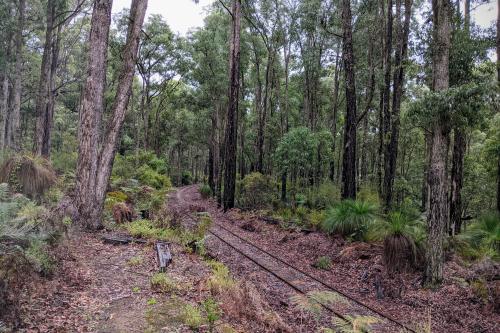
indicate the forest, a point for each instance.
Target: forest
{"x":287,"y":166}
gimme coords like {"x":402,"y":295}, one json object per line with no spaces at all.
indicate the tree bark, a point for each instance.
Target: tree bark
{"x":457,"y":166}
{"x":387,"y":91}
{"x":15,"y":122}
{"x":120,"y":104}
{"x":230,"y":139}
{"x":498,"y":79}
{"x":437,"y":218}
{"x":403,"y":32}
{"x":349,"y":158}
{"x":90,"y":113}
{"x":459,"y":144}
{"x":335,"y":97}
{"x":42,"y":99}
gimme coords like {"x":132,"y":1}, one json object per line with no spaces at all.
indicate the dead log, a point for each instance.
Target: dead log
{"x":117,"y":240}
{"x":163,"y":254}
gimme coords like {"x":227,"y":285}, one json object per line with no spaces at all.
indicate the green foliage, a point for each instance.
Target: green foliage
{"x":135,"y":261}
{"x":221,"y":278}
{"x":459,"y":105}
{"x":400,"y":233}
{"x":355,"y":324}
{"x":324,"y":263}
{"x":144,"y":166}
{"x":369,"y":195}
{"x":213,"y":311}
{"x":152,"y":301}
{"x":349,"y":218}
{"x":316,"y":218}
{"x":40,"y":258}
{"x":257,"y":191}
{"x":483,"y":237}
{"x":205,"y":191}
{"x":397,"y":223}
{"x":295,"y":151}
{"x":324,"y":196}
{"x":163,"y":283}
{"x":192,"y":317}
{"x":313,"y":301}
{"x":148,"y":176}
{"x":186,"y":178}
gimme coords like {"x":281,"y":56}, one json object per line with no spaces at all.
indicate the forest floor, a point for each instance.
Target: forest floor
{"x":100,"y":287}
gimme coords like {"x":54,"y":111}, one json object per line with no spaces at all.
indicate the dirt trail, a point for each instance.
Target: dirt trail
{"x":94,"y":289}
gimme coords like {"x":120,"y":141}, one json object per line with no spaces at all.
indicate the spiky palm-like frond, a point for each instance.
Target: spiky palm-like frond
{"x":350,"y":218}
{"x":396,"y":224}
{"x":399,"y":233}
{"x":484,"y":235}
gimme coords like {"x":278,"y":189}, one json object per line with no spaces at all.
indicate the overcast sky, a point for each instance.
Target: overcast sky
{"x":181,"y":15}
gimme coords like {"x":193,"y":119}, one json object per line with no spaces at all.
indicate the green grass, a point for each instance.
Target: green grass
{"x":135,"y":261}
{"x":323,"y":262}
{"x":163,"y":283}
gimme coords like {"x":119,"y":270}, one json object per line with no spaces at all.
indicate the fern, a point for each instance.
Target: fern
{"x":354,"y":324}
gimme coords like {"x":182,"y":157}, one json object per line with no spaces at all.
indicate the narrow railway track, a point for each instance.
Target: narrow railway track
{"x":296,"y":278}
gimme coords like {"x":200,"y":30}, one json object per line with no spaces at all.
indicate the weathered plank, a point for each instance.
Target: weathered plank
{"x":120,"y":240}
{"x":163,"y":254}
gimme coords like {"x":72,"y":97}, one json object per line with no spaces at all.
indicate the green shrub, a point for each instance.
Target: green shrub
{"x":212,"y":311}
{"x":257,"y":191}
{"x":163,"y":283}
{"x":300,"y":199}
{"x":369,"y":194}
{"x":483,"y":236}
{"x":205,"y":191}
{"x":324,"y":196}
{"x":323,"y":262}
{"x":148,"y":176}
{"x":186,"y":178}
{"x":316,"y":218}
{"x":349,"y":218}
{"x":191,"y":316}
{"x":301,"y":214}
{"x":64,"y":162}
{"x":39,"y":257}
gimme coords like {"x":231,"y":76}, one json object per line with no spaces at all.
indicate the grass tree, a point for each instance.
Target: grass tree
{"x":399,"y":232}
{"x":350,"y":218}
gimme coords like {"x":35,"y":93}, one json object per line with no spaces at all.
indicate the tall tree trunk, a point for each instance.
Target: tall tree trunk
{"x":42,"y":98}
{"x":349,"y":158}
{"x":335,"y":104}
{"x":387,"y":93}
{"x":120,"y":104}
{"x":5,"y":86}
{"x":230,"y":139}
{"x":437,"y":218}
{"x":403,"y":32}
{"x":459,"y":144}
{"x":457,"y":163}
{"x":90,"y":112}
{"x":15,"y":122}
{"x":366,"y":114}
{"x":498,"y":79}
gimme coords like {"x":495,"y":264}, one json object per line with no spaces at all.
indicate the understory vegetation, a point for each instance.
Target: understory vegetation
{"x":367,"y":124}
